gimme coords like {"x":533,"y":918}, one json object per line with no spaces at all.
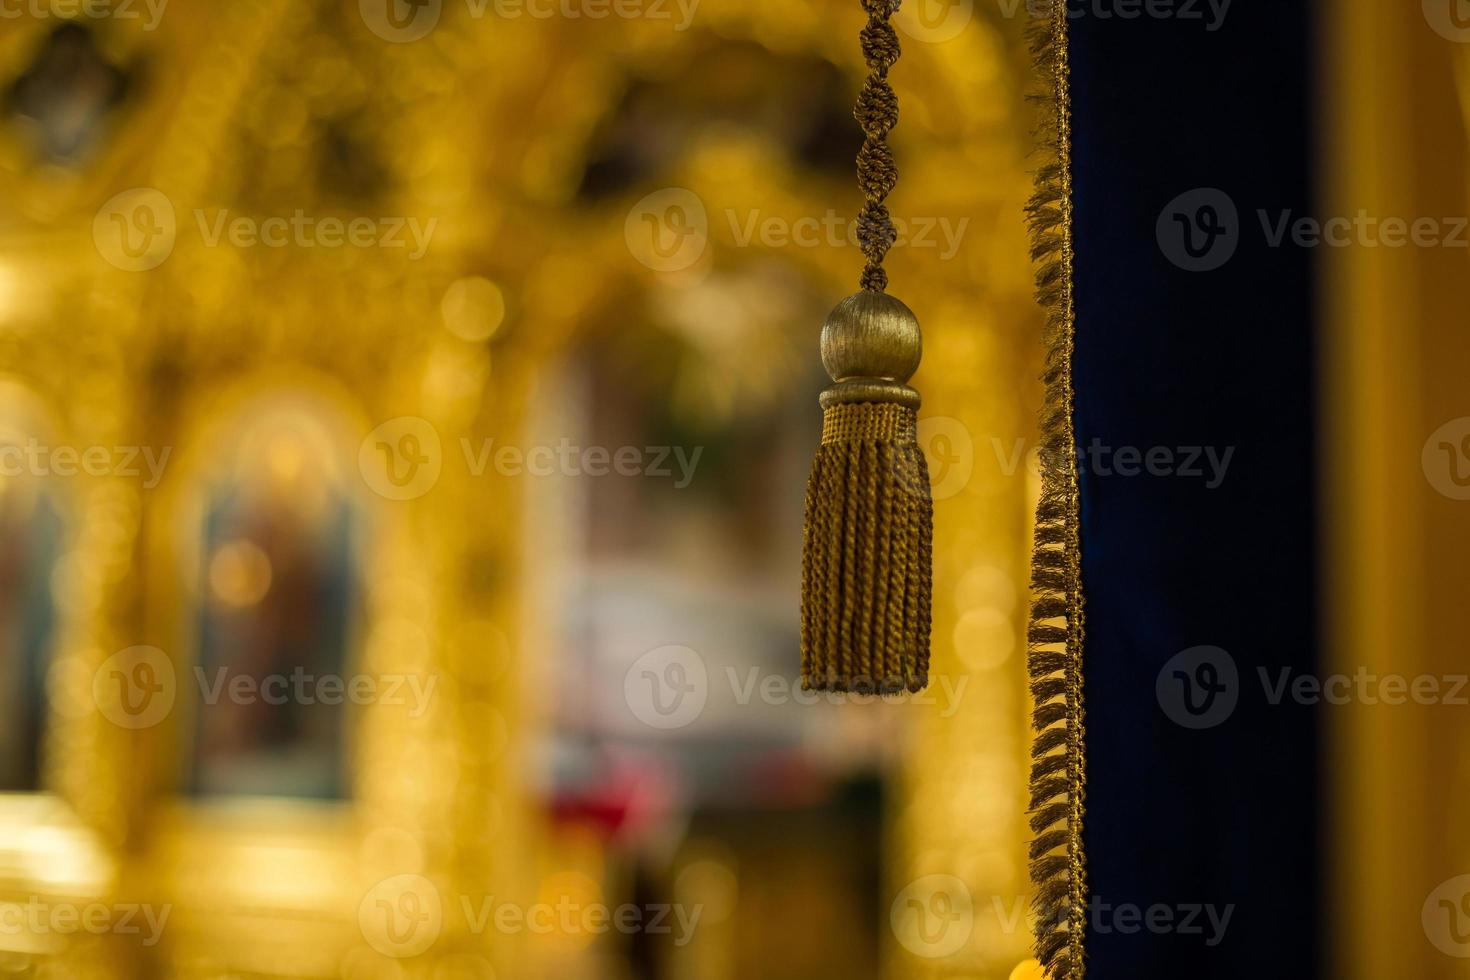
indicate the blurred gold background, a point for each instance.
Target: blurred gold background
{"x":321,"y":324}
{"x":1395,"y":140}
{"x":239,"y":438}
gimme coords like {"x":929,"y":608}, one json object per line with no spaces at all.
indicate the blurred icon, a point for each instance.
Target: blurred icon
{"x":934,"y":916}
{"x":401,"y":916}
{"x":1446,"y":917}
{"x":668,"y":230}
{"x":402,"y":458}
{"x":1199,"y":230}
{"x":935,"y":21}
{"x":1446,"y":459}
{"x":136,"y":230}
{"x":667,"y":687}
{"x":135,"y":688}
{"x":400,"y":21}
{"x":1199,"y":687}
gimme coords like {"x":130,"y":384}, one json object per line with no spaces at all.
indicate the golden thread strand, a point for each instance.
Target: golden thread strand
{"x":851,"y":566}
{"x":1055,"y":639}
{"x":882,"y":576}
{"x":827,"y":518}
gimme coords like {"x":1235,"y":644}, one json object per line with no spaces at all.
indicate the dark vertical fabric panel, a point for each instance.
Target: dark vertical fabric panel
{"x":1168,"y":359}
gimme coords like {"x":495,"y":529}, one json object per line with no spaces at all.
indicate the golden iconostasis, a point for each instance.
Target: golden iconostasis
{"x":405,"y":412}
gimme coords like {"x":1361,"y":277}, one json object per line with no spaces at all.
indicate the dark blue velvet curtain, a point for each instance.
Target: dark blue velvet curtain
{"x":1194,"y":414}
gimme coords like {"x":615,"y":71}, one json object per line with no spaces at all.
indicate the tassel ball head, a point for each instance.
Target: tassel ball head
{"x":867,"y":555}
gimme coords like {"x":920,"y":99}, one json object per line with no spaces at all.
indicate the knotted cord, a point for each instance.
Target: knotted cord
{"x":877,"y":113}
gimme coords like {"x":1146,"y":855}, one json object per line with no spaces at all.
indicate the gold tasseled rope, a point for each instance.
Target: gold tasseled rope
{"x":867,"y":567}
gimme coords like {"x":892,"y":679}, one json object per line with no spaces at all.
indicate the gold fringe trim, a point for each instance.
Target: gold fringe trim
{"x":1058,"y":760}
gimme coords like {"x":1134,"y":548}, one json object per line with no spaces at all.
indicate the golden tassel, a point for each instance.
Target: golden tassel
{"x":867,"y":569}
{"x":866,"y":562}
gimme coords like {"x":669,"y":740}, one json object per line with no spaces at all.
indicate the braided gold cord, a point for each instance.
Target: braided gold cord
{"x":877,"y":113}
